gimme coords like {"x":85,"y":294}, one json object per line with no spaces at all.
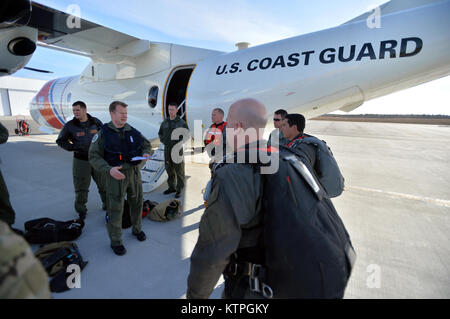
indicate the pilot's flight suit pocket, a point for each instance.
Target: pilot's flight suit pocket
{"x":114,"y":194}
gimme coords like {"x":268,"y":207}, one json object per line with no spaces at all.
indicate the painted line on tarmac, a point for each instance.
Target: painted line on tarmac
{"x":435,"y":201}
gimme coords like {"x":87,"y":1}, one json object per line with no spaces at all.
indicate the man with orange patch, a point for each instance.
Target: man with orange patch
{"x":216,"y":136}
{"x":216,"y":131}
{"x":76,"y":136}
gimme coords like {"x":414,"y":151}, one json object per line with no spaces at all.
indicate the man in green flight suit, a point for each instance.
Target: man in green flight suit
{"x":175,"y":171}
{"x":232,"y":223}
{"x":112,"y":151}
{"x":7,"y":213}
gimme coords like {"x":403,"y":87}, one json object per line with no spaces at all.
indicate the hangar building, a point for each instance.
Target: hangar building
{"x":16,"y":94}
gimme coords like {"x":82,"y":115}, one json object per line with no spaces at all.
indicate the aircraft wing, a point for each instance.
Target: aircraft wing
{"x":25,"y":24}
{"x":62,"y":31}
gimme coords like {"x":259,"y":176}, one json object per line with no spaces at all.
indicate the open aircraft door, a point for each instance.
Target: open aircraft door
{"x":154,"y":173}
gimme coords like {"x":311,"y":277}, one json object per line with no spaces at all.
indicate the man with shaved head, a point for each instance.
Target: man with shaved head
{"x":232,"y":222}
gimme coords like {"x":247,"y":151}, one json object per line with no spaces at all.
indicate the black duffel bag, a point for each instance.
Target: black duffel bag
{"x":47,"y":230}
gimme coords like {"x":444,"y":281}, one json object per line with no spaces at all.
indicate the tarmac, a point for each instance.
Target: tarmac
{"x":396,"y":208}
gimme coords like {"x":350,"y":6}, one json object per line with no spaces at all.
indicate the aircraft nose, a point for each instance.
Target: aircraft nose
{"x":42,"y":111}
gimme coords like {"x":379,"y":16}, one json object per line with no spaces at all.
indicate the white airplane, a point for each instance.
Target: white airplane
{"x":401,"y":44}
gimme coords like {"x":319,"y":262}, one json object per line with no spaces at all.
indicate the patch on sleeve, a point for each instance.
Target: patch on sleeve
{"x":94,"y":139}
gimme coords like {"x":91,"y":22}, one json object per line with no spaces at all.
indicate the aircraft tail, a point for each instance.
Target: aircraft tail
{"x":393,"y":7}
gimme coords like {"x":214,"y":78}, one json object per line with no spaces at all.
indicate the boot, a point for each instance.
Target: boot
{"x":168,"y":191}
{"x":119,"y":250}
{"x":140,"y":236}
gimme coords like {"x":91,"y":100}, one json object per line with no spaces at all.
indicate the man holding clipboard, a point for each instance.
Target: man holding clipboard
{"x":112,"y":152}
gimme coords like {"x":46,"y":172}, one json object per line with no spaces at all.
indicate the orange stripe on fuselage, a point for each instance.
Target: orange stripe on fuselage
{"x":45,"y":107}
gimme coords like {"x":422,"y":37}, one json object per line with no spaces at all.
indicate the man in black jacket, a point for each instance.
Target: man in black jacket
{"x":76,"y":136}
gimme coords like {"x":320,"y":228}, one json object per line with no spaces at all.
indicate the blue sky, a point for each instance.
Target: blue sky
{"x":220,"y":24}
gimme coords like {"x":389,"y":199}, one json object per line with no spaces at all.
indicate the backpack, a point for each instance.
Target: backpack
{"x":126,"y":217}
{"x":166,"y":211}
{"x":47,"y":230}
{"x":307,"y":250}
{"x":55,"y":259}
{"x":326,"y":167}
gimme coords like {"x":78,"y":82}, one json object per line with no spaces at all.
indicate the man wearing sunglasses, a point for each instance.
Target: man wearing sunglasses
{"x":278,"y":118}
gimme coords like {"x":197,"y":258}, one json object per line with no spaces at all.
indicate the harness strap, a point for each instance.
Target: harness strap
{"x":256,"y":275}
{"x":295,"y":139}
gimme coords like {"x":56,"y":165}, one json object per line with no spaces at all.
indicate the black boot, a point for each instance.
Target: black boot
{"x":119,"y":250}
{"x":168,"y":191}
{"x":140,"y":236}
{"x":178,"y":194}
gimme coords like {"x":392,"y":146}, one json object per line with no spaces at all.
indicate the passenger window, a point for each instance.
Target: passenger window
{"x":153,"y":96}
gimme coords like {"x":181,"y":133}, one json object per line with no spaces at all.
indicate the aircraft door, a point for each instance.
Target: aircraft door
{"x":154,"y":173}
{"x":176,"y":90}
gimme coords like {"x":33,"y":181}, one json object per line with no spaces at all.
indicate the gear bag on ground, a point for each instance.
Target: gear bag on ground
{"x":166,"y":211}
{"x":56,"y":259}
{"x":147,"y":206}
{"x":47,"y":230}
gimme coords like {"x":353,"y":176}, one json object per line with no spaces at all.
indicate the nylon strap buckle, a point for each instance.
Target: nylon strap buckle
{"x":257,"y":272}
{"x":233,"y":268}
